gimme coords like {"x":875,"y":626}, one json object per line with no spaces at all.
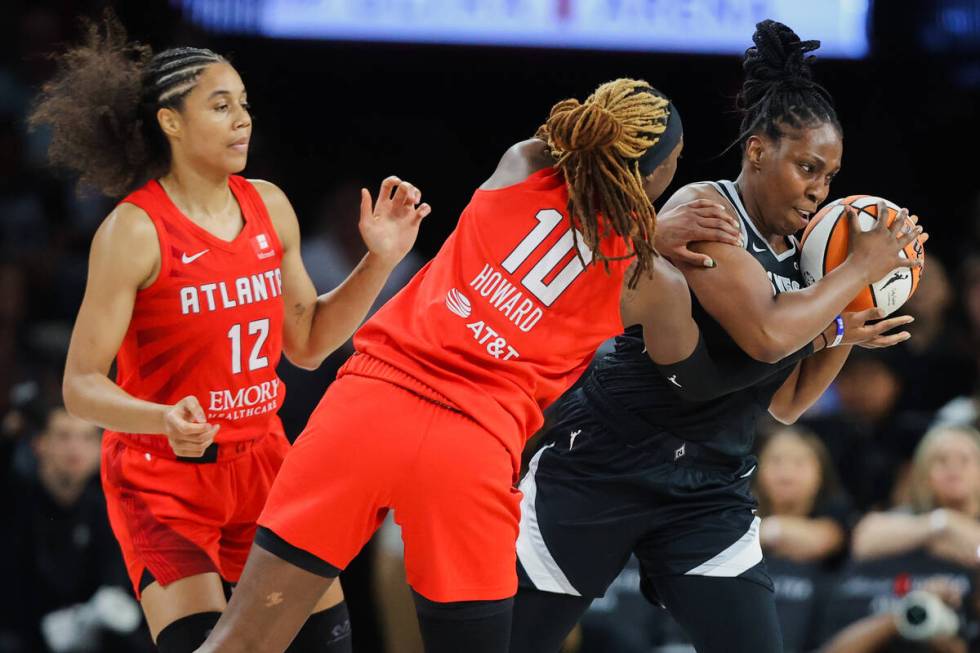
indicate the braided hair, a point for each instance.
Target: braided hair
{"x":597,"y":144}
{"x":101,"y":106}
{"x":779,"y":90}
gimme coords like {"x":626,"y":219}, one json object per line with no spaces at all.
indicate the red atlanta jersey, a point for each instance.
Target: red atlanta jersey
{"x":506,"y":317}
{"x":211,"y":324}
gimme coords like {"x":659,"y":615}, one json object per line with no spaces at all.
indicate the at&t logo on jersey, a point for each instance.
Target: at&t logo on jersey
{"x":458,"y":303}
{"x":263,"y":249}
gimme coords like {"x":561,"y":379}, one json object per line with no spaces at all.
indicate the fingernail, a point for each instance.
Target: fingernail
{"x":710,"y":263}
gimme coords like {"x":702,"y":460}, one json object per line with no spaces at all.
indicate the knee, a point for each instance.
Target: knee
{"x":187,"y":633}
{"x":327,"y":631}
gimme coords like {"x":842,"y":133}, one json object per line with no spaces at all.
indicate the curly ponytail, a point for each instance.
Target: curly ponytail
{"x":101,"y":106}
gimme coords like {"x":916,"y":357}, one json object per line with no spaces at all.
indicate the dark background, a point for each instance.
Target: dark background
{"x":332,"y":116}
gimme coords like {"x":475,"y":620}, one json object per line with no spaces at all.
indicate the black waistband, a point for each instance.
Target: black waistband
{"x":210,"y":455}
{"x":637,"y":432}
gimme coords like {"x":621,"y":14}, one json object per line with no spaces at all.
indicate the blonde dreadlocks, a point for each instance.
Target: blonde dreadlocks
{"x":597,"y":145}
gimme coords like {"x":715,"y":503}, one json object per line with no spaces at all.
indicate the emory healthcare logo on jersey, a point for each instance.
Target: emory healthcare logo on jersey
{"x":458,"y":303}
{"x":262,"y":247}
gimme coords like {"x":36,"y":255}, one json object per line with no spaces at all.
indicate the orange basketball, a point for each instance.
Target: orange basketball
{"x":825,"y":243}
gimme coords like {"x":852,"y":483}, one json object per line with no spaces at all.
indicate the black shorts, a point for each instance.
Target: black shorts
{"x":595,"y":493}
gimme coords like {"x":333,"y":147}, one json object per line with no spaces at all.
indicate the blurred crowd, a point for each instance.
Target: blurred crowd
{"x":869,"y":505}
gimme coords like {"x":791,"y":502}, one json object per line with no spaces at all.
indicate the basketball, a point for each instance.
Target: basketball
{"x":825,"y":246}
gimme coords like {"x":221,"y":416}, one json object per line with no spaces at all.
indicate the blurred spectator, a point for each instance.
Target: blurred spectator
{"x":931,"y":544}
{"x":970,"y":294}
{"x":67,"y":588}
{"x":964,"y":410}
{"x":805,"y":516}
{"x":805,"y":522}
{"x":936,"y":361}
{"x":871,"y":436}
{"x":945,"y":494}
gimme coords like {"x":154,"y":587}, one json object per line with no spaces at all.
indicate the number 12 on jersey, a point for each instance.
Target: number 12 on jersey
{"x":547,"y":293}
{"x":255,"y":360}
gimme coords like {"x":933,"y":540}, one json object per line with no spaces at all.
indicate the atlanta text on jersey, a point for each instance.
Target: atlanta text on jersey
{"x":243,"y":290}
{"x":507,"y":298}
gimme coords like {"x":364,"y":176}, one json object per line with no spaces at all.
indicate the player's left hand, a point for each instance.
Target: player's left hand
{"x":390,"y":226}
{"x":858,"y":332}
{"x":691,"y":222}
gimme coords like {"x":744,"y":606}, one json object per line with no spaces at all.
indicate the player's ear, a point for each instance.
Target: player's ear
{"x":755,"y":151}
{"x":169,"y":121}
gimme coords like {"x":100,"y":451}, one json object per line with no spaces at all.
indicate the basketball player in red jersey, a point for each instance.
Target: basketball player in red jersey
{"x":451,"y":376}
{"x":195,"y":287}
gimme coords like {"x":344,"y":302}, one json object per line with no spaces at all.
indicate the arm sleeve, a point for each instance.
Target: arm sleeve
{"x":701,"y":377}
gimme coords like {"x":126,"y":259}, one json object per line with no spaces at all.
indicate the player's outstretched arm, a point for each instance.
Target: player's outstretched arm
{"x":124,"y":257}
{"x":770,"y":327}
{"x":315,"y":326}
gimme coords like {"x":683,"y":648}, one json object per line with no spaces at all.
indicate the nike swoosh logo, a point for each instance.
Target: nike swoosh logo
{"x":185,"y":259}
{"x":757,"y":249}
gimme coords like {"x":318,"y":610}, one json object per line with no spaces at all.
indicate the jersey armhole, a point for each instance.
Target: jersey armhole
{"x":163,"y":247}
{"x":722,"y":192}
{"x":260,"y":210}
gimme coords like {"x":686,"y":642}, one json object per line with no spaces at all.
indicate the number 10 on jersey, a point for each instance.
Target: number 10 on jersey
{"x":547,"y":293}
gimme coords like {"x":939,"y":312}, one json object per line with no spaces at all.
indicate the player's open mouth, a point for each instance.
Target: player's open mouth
{"x":805,"y":215}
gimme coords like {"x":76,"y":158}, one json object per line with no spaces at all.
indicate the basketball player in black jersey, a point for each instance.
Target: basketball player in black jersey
{"x":652,"y":455}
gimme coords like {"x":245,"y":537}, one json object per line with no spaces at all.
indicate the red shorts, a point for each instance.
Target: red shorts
{"x":176,"y":519}
{"x":371,"y":446}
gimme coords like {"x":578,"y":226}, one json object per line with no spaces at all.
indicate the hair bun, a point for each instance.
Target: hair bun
{"x":778,"y":58}
{"x":575,"y":127}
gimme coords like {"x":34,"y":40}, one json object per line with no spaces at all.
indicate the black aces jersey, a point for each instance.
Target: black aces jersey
{"x":630,"y":382}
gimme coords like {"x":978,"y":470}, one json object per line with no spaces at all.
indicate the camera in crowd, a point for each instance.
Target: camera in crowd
{"x":921,"y":615}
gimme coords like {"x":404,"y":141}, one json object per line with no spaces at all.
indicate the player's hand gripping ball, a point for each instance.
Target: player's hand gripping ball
{"x":826,"y":245}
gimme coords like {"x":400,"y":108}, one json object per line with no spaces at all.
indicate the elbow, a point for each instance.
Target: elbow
{"x":766,"y":349}
{"x":303,"y":360}
{"x":69,"y":396}
{"x":770,"y":345}
{"x":308,"y":363}
{"x":787,"y":415}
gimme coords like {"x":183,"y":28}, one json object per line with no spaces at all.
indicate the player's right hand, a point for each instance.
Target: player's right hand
{"x":187,"y":428}
{"x":877,"y":250}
